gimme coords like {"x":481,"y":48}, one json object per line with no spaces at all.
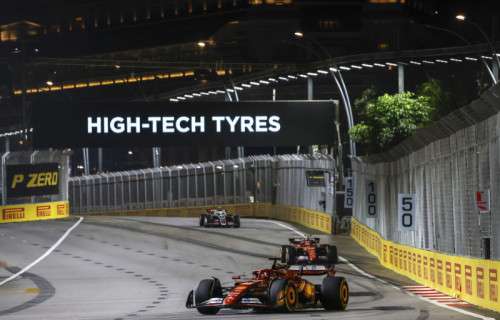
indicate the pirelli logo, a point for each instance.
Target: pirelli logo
{"x":468,"y":280}
{"x":458,"y":277}
{"x":493,"y":277}
{"x":13,"y":214}
{"x":34,"y":211}
{"x":480,"y":282}
{"x":43,"y":211}
{"x":61,"y":209}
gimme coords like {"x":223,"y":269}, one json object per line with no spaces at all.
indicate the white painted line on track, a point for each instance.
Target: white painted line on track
{"x":368,"y":275}
{"x":289,"y":228}
{"x":43,"y":256}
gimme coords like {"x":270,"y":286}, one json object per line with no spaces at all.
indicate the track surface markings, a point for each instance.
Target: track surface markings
{"x":45,"y":255}
{"x":439,"y":297}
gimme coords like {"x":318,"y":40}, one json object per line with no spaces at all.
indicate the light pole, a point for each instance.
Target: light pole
{"x":339,"y":81}
{"x":463,"y":18}
{"x":490,"y":72}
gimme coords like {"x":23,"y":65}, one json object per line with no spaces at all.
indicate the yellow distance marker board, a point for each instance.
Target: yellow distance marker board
{"x":34,"y":211}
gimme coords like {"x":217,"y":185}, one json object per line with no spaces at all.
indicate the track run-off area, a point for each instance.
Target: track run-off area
{"x":143,"y":268}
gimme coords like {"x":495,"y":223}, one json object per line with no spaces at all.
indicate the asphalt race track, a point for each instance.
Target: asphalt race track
{"x":142,"y":268}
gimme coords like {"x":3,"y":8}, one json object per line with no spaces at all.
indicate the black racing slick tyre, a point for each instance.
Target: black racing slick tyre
{"x":204,"y":221}
{"x":288,"y":255}
{"x":334,"y":293}
{"x":283,"y":295}
{"x":331,"y":254}
{"x":236,"y":223}
{"x":207,"y":289}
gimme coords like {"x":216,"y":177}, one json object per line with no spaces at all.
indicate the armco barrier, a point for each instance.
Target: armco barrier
{"x":34,"y":211}
{"x":473,"y":280}
{"x":308,"y":218}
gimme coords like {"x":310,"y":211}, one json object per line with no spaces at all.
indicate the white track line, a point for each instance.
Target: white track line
{"x":289,"y":228}
{"x":366,"y":274}
{"x":43,"y":256}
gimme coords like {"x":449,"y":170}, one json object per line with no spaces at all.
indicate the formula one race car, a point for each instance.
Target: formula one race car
{"x":308,"y":251}
{"x":219,"y":218}
{"x":279,"y":289}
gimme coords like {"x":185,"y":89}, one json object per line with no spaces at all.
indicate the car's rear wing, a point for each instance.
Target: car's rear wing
{"x":299,"y":240}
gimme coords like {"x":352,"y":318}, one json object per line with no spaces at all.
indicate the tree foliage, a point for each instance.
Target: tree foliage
{"x":439,"y":100}
{"x":386,"y":120}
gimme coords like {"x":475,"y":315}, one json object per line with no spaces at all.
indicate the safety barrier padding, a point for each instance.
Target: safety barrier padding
{"x":311,"y":219}
{"x":308,"y":218}
{"x":34,"y":211}
{"x":470,"y":279}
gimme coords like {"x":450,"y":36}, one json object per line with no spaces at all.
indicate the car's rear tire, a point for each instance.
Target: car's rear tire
{"x":283,"y":295}
{"x":331,"y":254}
{"x":334,"y":293}
{"x":207,"y":289}
{"x":288,"y":255}
{"x":236,"y":222}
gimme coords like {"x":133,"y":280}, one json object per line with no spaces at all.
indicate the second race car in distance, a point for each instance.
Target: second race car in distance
{"x":219,"y":218}
{"x":308,"y":250}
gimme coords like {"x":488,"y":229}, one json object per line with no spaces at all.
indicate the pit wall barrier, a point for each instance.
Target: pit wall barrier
{"x":470,"y":279}
{"x":319,"y":221}
{"x":34,"y":211}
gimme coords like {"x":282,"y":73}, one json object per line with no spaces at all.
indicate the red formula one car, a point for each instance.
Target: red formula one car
{"x":308,"y":251}
{"x":276,"y":289}
{"x":219,"y":218}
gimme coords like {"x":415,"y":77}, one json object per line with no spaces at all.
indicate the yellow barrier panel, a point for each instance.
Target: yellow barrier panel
{"x":34,"y":211}
{"x":470,"y":279}
{"x":308,"y":218}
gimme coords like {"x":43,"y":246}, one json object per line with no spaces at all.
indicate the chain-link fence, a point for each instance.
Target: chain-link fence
{"x":35,"y":157}
{"x":444,"y":172}
{"x":279,"y":179}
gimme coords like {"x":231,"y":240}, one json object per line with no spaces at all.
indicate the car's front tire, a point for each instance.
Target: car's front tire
{"x":207,"y":289}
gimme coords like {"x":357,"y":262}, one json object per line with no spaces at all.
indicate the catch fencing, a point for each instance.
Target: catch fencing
{"x":444,"y":166}
{"x":279,"y":180}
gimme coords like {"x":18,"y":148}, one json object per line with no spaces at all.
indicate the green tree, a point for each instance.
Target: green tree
{"x":386,"y":120}
{"x":439,"y":100}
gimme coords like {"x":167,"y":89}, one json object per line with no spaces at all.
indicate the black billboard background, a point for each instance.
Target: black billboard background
{"x":21,"y":189}
{"x":63,"y":125}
